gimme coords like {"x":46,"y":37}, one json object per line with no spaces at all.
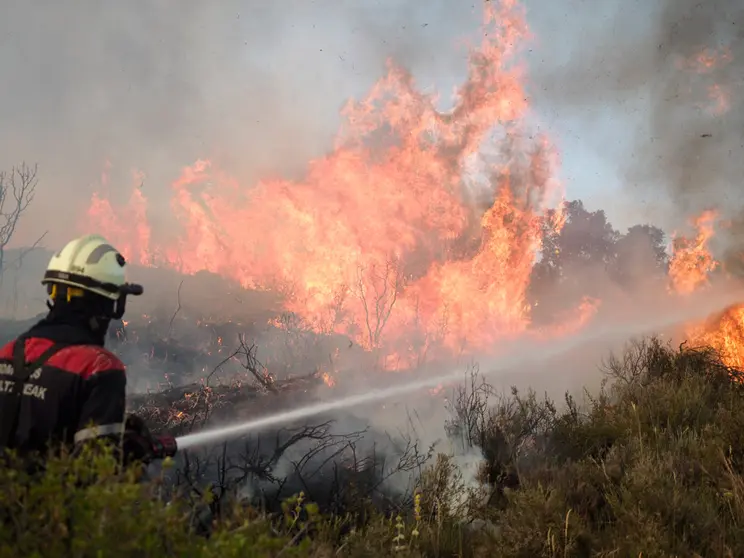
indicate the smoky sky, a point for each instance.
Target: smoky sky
{"x":698,"y":153}
{"x":258,"y":86}
{"x":667,"y":136}
{"x":155,"y":85}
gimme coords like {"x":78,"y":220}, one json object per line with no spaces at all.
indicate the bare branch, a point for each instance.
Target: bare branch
{"x":386,"y":285}
{"x":253,"y":365}
{"x":178,"y":309}
{"x":18,"y":264}
{"x":224,"y":361}
{"x":26,"y":251}
{"x":17,"y":190}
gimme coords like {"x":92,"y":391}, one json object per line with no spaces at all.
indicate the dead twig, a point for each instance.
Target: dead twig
{"x":178,"y":309}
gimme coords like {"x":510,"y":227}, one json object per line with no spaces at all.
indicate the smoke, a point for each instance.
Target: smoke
{"x":697,"y":114}
{"x":156,"y":85}
{"x":671,"y":72}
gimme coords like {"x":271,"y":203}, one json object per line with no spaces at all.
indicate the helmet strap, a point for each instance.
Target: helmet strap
{"x":120,"y":306}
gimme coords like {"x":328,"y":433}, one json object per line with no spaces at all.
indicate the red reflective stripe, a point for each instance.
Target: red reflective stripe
{"x":82,"y":360}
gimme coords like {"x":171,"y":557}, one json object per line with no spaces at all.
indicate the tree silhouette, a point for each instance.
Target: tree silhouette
{"x":640,"y":256}
{"x":588,"y":257}
{"x":17,"y":190}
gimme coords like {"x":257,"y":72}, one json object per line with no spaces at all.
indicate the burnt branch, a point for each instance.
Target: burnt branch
{"x":328,"y":467}
{"x":263,"y":460}
{"x":378,"y":288}
{"x":220,"y":364}
{"x":178,"y":309}
{"x":181,"y":409}
{"x":338,"y":470}
{"x":470,"y":409}
{"x":249,"y":361}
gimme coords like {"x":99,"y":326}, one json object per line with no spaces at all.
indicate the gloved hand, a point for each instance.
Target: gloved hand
{"x":138,"y":442}
{"x":136,"y":424}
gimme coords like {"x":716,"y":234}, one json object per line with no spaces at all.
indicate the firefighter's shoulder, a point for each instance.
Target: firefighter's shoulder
{"x":81,"y":360}
{"x":85,"y":360}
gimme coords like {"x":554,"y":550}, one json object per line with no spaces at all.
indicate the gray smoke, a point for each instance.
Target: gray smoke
{"x":697,"y":151}
{"x":255,"y":85}
{"x":639,"y":66}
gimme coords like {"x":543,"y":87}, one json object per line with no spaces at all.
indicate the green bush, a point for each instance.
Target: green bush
{"x":650,"y":466}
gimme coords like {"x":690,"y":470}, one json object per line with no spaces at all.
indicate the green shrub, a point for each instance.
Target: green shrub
{"x":652,"y":466}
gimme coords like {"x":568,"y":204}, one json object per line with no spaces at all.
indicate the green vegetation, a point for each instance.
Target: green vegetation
{"x":652,"y":466}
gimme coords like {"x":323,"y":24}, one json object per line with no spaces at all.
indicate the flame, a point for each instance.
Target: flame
{"x":574,"y":321}
{"x":705,"y":63}
{"x":708,"y":59}
{"x":328,"y":379}
{"x":691,"y":261}
{"x":128,"y":225}
{"x":724,"y":333}
{"x":383,"y":237}
{"x":689,"y":268}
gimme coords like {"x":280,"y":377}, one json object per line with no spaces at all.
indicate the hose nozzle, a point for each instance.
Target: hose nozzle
{"x":164,"y":446}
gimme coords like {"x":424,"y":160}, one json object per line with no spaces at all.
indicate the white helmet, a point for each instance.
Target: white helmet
{"x":92,"y":264}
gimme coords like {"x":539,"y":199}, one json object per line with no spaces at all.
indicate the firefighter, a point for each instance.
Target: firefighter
{"x":58,"y":384}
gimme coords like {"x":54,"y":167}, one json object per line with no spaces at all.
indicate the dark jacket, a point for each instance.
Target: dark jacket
{"x":78,"y":394}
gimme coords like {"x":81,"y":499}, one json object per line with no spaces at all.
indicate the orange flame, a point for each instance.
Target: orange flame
{"x":705,"y":63}
{"x":725,"y":334}
{"x":689,"y":269}
{"x":691,"y":261}
{"x":576,"y":320}
{"x":128,"y":225}
{"x":383,"y":237}
{"x":708,"y":59}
